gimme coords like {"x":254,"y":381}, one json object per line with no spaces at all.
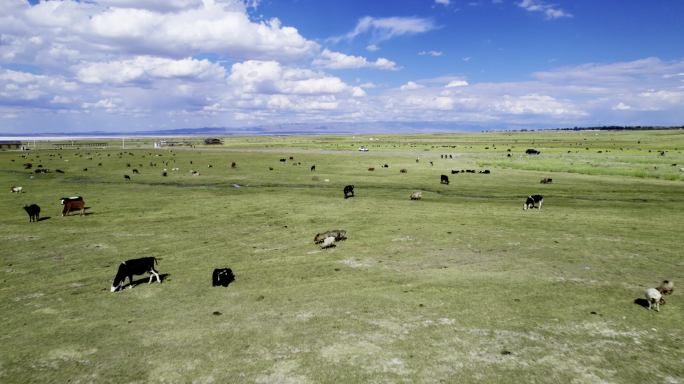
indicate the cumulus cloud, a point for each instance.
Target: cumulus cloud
{"x":547,"y":10}
{"x":145,"y":68}
{"x":58,"y":29}
{"x":358,"y":92}
{"x":411,"y":85}
{"x":386,"y":28}
{"x":336,"y":60}
{"x":372,"y":47}
{"x":433,"y":53}
{"x":456,"y":83}
{"x":269,"y":77}
{"x":622,"y":106}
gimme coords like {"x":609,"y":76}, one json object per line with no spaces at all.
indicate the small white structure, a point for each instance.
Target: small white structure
{"x":363,"y":149}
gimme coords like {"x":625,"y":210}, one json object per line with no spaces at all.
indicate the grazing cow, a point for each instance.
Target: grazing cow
{"x":59,"y":171}
{"x":385,"y":166}
{"x":431,"y":163}
{"x":65,"y":200}
{"x":164,"y":174}
{"x":450,"y":157}
{"x":315,"y":178}
{"x":418,"y":160}
{"x":485,"y":172}
{"x":313,"y":167}
{"x":532,"y":200}
{"x":208,"y":166}
{"x":15,"y":189}
{"x":348,"y":189}
{"x":441,"y":156}
{"x":128,"y":164}
{"x":283,"y":160}
{"x":403,"y":170}
{"x":126,"y":177}
{"x":85,"y":170}
{"x":233,"y":165}
{"x":444,"y":180}
{"x":371,"y":169}
{"x":99,"y":164}
{"x":222,"y":277}
{"x":544,"y":181}
{"x":73,"y":205}
{"x":135,"y":171}
{"x":33,"y":211}
{"x":134,"y":267}
{"x":416,"y":196}
{"x":454,"y":172}
{"x":270,"y":168}
{"x":291,"y":158}
{"x":28,"y":165}
{"x":549,"y":181}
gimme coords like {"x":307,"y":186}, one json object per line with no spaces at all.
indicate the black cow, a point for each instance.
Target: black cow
{"x":531,"y":200}
{"x":126,"y":177}
{"x":532,"y":152}
{"x":348,"y":189}
{"x":313,"y":167}
{"x":444,"y":180}
{"x":33,"y":211}
{"x":454,"y":172}
{"x":385,"y":166}
{"x":283,"y":160}
{"x":222,"y":277}
{"x":134,"y":267}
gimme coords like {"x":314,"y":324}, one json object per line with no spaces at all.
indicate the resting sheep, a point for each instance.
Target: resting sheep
{"x":416,"y":196}
{"x":328,"y":242}
{"x":653,"y":296}
{"x":666,"y":287}
{"x":338,"y":234}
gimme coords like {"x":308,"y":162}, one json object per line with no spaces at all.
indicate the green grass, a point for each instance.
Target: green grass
{"x":461,"y":286}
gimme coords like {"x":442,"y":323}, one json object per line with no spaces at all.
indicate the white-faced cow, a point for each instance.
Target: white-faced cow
{"x":15,"y":189}
{"x":134,"y":267}
{"x":65,"y":200}
{"x":73,"y":206}
{"x":532,"y":200}
{"x":348,"y":189}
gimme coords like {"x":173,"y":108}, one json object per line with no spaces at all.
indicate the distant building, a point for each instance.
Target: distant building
{"x":5,"y":145}
{"x":212,"y":141}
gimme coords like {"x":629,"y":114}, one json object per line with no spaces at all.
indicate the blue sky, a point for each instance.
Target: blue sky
{"x":140,"y":65}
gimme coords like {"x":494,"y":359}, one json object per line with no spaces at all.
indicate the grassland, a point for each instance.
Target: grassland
{"x":461,"y":286}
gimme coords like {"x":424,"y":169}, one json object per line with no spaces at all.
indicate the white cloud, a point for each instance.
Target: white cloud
{"x":411,"y":85}
{"x":433,"y":53}
{"x":456,"y":83}
{"x":372,"y":47}
{"x":443,"y":2}
{"x":387,"y":28}
{"x":358,"y":92}
{"x":622,"y":106}
{"x":68,"y":30}
{"x":145,"y":68}
{"x":10,"y":116}
{"x":540,"y":6}
{"x":269,"y":77}
{"x":106,"y":103}
{"x":336,"y":60}
{"x":368,"y":85}
{"x":466,"y":58}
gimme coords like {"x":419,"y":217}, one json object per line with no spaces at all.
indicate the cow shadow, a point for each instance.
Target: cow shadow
{"x":45,"y":218}
{"x":642,"y":302}
{"x":346,"y":197}
{"x":144,"y":280}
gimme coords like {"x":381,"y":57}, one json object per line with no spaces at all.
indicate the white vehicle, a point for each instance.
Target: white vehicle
{"x":363,"y":149}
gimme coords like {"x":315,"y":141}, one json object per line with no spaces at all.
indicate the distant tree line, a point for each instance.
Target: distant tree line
{"x":619,"y":128}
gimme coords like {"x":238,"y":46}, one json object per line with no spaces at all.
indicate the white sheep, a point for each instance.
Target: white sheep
{"x":666,"y":287}
{"x":416,"y":196}
{"x":328,"y":242}
{"x":653,"y":296}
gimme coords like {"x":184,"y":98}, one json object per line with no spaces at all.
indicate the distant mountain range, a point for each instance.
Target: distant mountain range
{"x":335,"y":128}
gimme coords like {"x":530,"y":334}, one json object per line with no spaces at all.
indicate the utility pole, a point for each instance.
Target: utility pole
{"x":123,"y":142}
